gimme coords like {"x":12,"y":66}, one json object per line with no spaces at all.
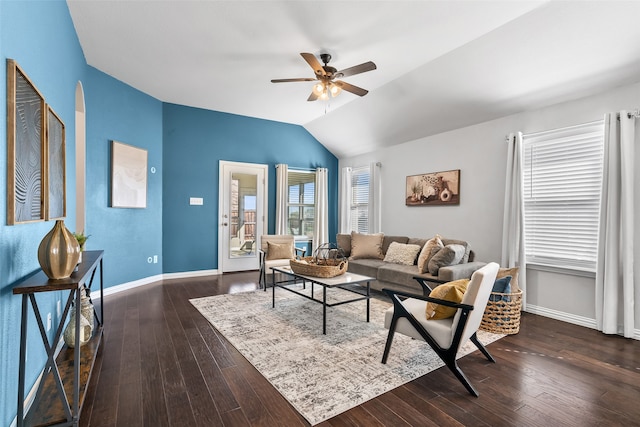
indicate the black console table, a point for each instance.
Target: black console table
{"x":65,"y":379}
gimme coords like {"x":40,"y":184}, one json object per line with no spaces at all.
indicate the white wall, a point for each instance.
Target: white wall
{"x":480,"y":152}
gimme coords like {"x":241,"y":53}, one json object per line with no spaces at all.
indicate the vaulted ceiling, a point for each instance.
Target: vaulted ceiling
{"x":441,"y":65}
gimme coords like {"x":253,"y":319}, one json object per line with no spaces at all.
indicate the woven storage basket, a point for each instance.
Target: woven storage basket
{"x":502,"y":316}
{"x":312,"y":266}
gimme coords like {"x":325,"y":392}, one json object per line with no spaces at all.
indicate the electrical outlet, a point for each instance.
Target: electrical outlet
{"x":155,"y":259}
{"x":49,"y":322}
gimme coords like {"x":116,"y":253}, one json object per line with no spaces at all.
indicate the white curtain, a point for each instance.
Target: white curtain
{"x":375,"y":198}
{"x":614,"y":273}
{"x":282,"y":171}
{"x":345,"y":201}
{"x":321,"y":228}
{"x":513,"y":252}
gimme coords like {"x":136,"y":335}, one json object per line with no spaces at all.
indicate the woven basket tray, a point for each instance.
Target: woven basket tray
{"x":502,"y":316}
{"x":329,"y":268}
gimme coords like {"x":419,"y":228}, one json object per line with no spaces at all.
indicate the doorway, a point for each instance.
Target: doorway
{"x":243,"y":214}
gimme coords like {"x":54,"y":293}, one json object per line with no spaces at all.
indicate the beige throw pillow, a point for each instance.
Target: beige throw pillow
{"x":366,"y":245}
{"x":399,"y":253}
{"x":279,"y":251}
{"x":425,"y":253}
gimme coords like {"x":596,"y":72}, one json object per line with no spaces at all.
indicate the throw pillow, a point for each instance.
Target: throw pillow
{"x":399,"y":253}
{"x":450,"y":291}
{"x":449,"y":255}
{"x":501,"y":286}
{"x":513,"y":272}
{"x":344,"y":243}
{"x":366,"y":245}
{"x":425,"y":253}
{"x":279,"y":251}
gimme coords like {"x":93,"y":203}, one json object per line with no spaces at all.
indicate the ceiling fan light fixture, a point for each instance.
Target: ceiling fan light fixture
{"x":319,"y":88}
{"x":334,"y":89}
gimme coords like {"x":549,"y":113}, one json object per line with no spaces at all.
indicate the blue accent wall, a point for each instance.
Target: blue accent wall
{"x":40,"y":36}
{"x":195,"y":140}
{"x":184,"y":147}
{"x":117,"y":112}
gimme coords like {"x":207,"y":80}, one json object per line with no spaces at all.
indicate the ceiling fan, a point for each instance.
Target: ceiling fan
{"x":326,"y":75}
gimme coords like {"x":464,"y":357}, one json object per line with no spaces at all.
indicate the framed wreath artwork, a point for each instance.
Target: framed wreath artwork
{"x":436,"y":188}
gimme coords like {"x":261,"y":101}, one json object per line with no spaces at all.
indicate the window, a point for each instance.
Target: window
{"x":562,"y":177}
{"x":301,"y":203}
{"x":360,"y":185}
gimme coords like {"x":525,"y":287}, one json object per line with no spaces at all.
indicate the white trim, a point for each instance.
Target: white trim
{"x":152,"y":279}
{"x":571,"y":318}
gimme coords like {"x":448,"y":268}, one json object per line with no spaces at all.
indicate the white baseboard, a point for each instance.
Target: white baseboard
{"x":570,"y":318}
{"x":152,"y":279}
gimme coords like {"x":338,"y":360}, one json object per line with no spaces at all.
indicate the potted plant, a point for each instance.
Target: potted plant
{"x":82,"y":239}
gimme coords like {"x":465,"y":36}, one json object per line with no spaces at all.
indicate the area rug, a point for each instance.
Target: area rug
{"x":320,"y":375}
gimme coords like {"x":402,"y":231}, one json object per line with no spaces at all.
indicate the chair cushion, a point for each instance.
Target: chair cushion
{"x":279,"y":251}
{"x":440,"y":330}
{"x":425,"y":253}
{"x":366,"y":245}
{"x":451,"y":291}
{"x":399,"y":253}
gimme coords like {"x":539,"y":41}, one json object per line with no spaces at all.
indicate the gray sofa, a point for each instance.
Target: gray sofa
{"x":401,"y":277}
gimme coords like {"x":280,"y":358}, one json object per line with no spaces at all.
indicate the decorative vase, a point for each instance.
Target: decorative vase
{"x":70,"y":331}
{"x":58,"y":252}
{"x":86,"y":307}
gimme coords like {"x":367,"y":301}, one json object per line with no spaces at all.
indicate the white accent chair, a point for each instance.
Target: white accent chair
{"x":446,"y":336}
{"x":266,"y":263}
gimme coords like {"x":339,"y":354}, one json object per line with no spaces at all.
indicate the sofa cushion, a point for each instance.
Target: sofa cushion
{"x":425,"y":253}
{"x":400,"y":274}
{"x":387,"y":240}
{"x":366,"y":245}
{"x":366,"y":267}
{"x":449,"y":255}
{"x":399,"y":253}
{"x":451,"y":291}
{"x":344,"y":242}
{"x":279,"y":251}
{"x":417,"y":241}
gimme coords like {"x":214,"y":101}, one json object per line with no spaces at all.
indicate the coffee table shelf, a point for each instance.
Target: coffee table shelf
{"x":341,"y":281}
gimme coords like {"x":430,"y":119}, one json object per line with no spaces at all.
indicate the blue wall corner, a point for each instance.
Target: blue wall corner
{"x":195,"y":141}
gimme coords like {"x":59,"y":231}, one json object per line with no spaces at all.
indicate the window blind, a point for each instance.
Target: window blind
{"x":360,"y":188}
{"x":562,"y":178}
{"x":301,"y":203}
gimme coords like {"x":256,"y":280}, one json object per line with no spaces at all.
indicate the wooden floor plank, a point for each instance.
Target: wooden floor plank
{"x":162,"y":364}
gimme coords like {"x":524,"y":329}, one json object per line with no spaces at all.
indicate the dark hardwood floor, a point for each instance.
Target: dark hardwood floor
{"x":163,"y":364}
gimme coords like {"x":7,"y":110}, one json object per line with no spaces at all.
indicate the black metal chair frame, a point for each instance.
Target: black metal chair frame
{"x":448,"y":355}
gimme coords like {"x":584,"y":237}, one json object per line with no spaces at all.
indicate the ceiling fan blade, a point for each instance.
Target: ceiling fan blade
{"x":301,"y":79}
{"x":312,"y":97}
{"x":362,"y":68}
{"x":314,"y":63}
{"x":351,"y":88}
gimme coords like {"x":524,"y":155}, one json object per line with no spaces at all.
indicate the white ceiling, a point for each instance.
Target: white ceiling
{"x":442,"y":65}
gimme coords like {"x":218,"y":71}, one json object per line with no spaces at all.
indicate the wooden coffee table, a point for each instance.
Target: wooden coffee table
{"x":340,"y":281}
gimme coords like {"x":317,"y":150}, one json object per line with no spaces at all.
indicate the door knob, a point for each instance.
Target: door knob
{"x":225,"y":224}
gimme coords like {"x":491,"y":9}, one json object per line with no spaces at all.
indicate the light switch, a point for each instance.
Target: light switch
{"x":196,"y":201}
